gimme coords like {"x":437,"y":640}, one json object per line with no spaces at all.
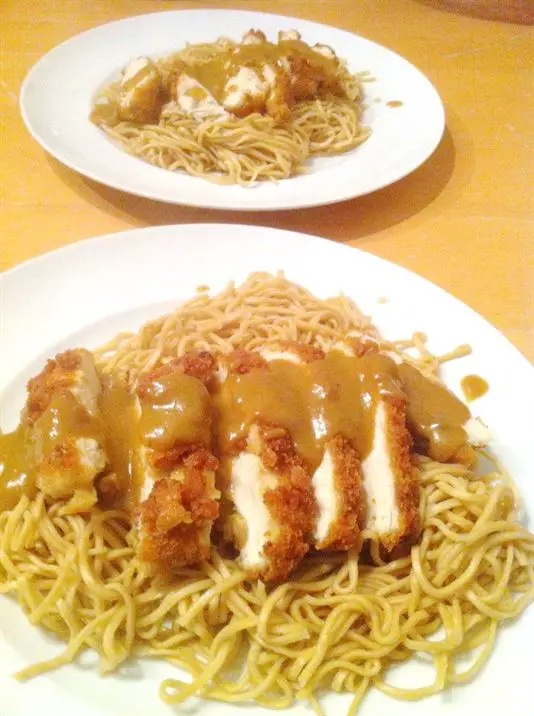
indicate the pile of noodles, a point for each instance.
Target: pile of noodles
{"x":253,"y":148}
{"x":335,"y":624}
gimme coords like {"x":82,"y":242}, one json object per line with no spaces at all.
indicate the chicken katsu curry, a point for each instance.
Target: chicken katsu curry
{"x":259,"y":479}
{"x":235,"y":112}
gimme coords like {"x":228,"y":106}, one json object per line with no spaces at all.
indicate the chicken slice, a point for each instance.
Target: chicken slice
{"x":69,"y":471}
{"x":337,"y":487}
{"x":245,"y":92}
{"x":271,"y":495}
{"x":176,"y":518}
{"x":63,"y":417}
{"x":260,"y":83}
{"x":288,"y":35}
{"x":390,"y":481}
{"x":336,"y":482}
{"x":469,"y":431}
{"x":269,"y":487}
{"x":73,"y":371}
{"x":194,"y":99}
{"x":141,"y":94}
{"x":253,"y":37}
{"x":178,"y":500}
{"x":440,"y":422}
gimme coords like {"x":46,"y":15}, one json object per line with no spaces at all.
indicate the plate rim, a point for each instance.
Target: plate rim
{"x":13,"y":272}
{"x":440,"y":122}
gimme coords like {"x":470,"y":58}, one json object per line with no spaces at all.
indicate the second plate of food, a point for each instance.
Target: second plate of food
{"x":232,"y":110}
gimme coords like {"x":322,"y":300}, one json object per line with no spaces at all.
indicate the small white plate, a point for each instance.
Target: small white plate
{"x":57,"y":94}
{"x":85,"y":293}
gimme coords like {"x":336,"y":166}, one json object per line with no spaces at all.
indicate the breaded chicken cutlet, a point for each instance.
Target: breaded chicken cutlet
{"x":63,"y":415}
{"x":315,"y":449}
{"x":337,"y":481}
{"x":268,"y":485}
{"x":254,"y":76}
{"x":178,"y":501}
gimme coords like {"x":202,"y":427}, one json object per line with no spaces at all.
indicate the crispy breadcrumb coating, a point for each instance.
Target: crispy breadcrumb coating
{"x":344,"y":532}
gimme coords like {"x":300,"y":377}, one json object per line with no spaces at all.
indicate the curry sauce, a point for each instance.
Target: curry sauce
{"x":474,"y":387}
{"x":297,"y":70}
{"x":119,"y":414}
{"x":434,"y":414}
{"x":25,"y":449}
{"x":174,"y":408}
{"x":17,"y":473}
{"x":314,"y":402}
{"x":215,"y":74}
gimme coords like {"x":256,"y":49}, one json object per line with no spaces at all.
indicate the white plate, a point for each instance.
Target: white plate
{"x":57,"y":94}
{"x":83,"y":294}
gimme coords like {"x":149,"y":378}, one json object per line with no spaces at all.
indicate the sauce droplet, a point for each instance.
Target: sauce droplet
{"x":473,"y":387}
{"x":394,"y":103}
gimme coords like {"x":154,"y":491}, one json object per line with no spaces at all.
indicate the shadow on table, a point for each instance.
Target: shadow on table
{"x":349,"y":220}
{"x":519,"y":12}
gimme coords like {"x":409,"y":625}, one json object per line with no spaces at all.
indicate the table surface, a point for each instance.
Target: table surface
{"x":464,"y":220}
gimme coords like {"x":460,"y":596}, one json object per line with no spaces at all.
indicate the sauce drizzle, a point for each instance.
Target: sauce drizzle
{"x":474,"y":387}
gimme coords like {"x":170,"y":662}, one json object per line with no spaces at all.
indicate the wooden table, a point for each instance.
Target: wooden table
{"x":464,"y":220}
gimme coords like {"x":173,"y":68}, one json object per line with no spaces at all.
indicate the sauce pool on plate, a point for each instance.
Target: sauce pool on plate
{"x":473,"y":387}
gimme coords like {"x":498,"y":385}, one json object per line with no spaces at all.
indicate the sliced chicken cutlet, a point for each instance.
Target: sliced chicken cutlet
{"x":442,"y":426}
{"x":176,"y":518}
{"x":336,"y":482}
{"x":312,"y":71}
{"x":440,"y":423}
{"x":62,"y":416}
{"x":257,"y":77}
{"x":266,"y":483}
{"x":178,"y":501}
{"x":141,"y":94}
{"x":390,"y":480}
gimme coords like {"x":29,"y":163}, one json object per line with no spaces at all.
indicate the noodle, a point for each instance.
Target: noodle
{"x":336,"y":624}
{"x":244,"y":150}
{"x":258,"y":313}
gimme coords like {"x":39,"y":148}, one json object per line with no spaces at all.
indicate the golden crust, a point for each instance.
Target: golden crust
{"x":344,"y":532}
{"x":279,"y":97}
{"x":176,"y":518}
{"x":184,"y":454}
{"x":256,"y":34}
{"x":308,"y":81}
{"x":306,"y":352}
{"x":197,"y":364}
{"x":63,"y":474}
{"x":362,"y":345}
{"x":399,"y":442}
{"x":291,"y":504}
{"x":240,"y":362}
{"x":60,"y":373}
{"x":465,"y":455}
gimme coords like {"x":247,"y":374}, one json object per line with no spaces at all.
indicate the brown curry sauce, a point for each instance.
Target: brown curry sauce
{"x":314,"y":402}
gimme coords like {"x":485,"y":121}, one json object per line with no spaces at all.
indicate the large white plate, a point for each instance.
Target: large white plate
{"x":57,"y":94}
{"x":83,"y":294}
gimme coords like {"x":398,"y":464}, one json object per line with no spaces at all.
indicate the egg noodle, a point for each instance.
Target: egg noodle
{"x":245,"y":150}
{"x":336,"y":624}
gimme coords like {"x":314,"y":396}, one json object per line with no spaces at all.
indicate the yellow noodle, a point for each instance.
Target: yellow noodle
{"x":336,"y":624}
